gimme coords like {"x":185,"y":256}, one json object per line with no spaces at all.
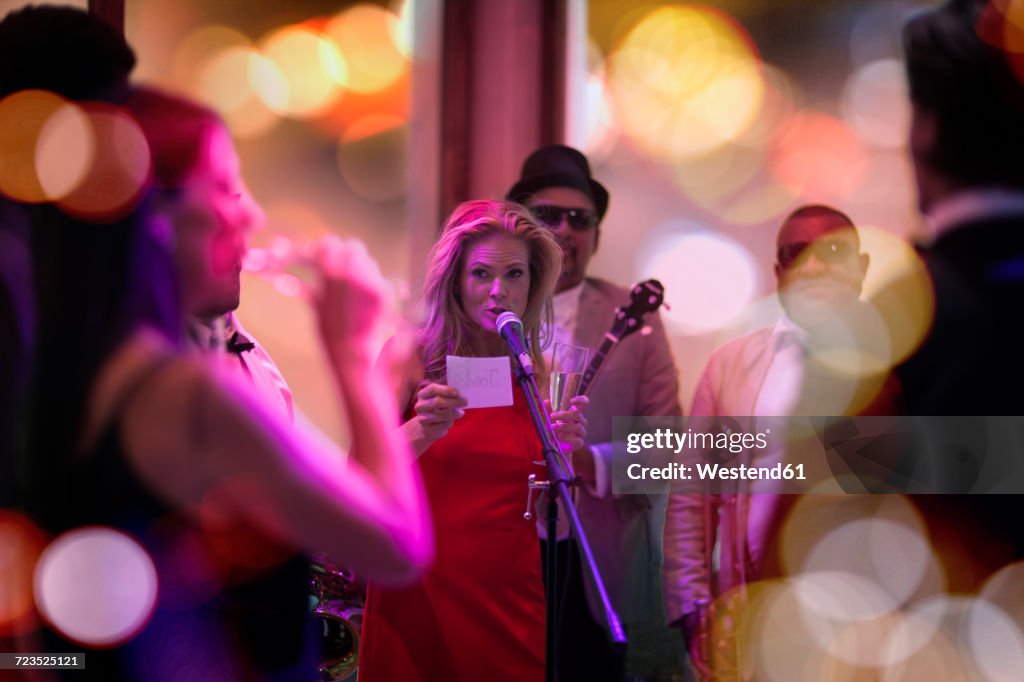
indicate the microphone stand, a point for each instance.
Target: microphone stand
{"x":558,"y":487}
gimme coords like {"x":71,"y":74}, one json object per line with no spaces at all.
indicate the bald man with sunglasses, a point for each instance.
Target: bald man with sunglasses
{"x":774,"y":372}
{"x":639,"y":378}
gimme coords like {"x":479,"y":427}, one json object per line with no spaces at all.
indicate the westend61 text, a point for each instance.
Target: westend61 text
{"x":717,"y":472}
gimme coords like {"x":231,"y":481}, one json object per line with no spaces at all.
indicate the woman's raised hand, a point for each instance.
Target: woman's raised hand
{"x":353,"y":302}
{"x":437,"y":407}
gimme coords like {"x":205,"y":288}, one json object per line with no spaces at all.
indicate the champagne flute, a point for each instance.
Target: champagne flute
{"x":290,"y":267}
{"x":567,"y":366}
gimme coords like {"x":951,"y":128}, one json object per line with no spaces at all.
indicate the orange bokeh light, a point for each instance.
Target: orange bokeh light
{"x":119,"y":170}
{"x":365,"y":35}
{"x":685,"y":80}
{"x":21,"y":543}
{"x":314,"y":70}
{"x":23,"y":115}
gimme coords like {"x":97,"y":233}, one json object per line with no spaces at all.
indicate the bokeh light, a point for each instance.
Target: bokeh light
{"x":21,"y":542}
{"x":994,"y":641}
{"x":119,"y":170}
{"x":402,"y":26}
{"x":899,"y":289}
{"x":713,"y":264}
{"x":1006,"y":588}
{"x":732,"y":181}
{"x":888,"y":181}
{"x":777,"y":634}
{"x":850,"y":346}
{"x":711,"y":179}
{"x":868,"y":643}
{"x":373,"y":157}
{"x":365,"y":34}
{"x":763,"y":203}
{"x":1013,"y":11}
{"x":875,"y":103}
{"x":65,"y":151}
{"x":237,"y":82}
{"x":933,"y":634}
{"x":890,"y":558}
{"x":23,"y":115}
{"x":1004,"y":27}
{"x":197,"y":49}
{"x":779,"y":102}
{"x":313,"y":69}
{"x":813,"y":518}
{"x":818,"y":157}
{"x":96,"y":586}
{"x":685,"y":80}
{"x":601,"y":129}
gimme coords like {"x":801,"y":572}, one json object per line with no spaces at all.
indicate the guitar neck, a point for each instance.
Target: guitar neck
{"x":645,"y":297}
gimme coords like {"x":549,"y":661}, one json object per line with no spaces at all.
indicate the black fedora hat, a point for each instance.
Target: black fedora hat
{"x":558,"y":166}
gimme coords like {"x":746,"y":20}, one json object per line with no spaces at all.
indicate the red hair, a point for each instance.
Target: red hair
{"x":175,"y":129}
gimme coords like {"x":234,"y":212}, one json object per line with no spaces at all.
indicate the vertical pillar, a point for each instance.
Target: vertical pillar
{"x":502,"y":91}
{"x":489,"y":86}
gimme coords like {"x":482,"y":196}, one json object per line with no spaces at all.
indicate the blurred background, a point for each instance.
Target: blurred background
{"x":707,"y":123}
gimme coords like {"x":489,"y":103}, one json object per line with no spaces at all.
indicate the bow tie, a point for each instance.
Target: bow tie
{"x":238,"y":343}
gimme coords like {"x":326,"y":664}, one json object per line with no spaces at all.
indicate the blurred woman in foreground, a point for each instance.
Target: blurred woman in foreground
{"x":128,"y":433}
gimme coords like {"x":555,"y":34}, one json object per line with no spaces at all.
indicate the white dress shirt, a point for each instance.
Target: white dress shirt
{"x":253,"y":365}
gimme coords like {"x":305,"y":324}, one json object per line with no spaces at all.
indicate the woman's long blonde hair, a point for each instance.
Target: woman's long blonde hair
{"x":447,"y":329}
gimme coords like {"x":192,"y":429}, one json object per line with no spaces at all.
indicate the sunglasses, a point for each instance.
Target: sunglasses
{"x":552,"y":216}
{"x":827,"y":251}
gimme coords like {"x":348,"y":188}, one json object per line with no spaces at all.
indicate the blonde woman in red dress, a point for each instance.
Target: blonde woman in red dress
{"x":479,"y":613}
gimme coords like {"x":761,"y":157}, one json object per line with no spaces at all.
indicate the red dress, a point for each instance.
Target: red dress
{"x":479,"y":612}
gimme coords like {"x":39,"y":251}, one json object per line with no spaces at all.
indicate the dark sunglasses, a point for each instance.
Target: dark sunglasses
{"x":825,"y":250}
{"x":552,"y":216}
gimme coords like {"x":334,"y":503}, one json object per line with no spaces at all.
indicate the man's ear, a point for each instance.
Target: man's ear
{"x":597,"y":236}
{"x":863,"y":261}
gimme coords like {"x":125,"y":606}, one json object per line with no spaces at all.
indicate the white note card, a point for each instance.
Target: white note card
{"x":483,"y":382}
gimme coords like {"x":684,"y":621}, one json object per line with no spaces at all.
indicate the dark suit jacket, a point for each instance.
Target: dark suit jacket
{"x":972,"y":364}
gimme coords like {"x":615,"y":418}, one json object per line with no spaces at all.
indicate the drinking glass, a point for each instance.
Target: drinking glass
{"x":567,"y":366}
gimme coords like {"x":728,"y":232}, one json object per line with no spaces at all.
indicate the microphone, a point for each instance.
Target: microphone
{"x":511,"y":329}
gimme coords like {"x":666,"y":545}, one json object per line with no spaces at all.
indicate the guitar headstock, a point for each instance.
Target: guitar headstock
{"x":645,"y":297}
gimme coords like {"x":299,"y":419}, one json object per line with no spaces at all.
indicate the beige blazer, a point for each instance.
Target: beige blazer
{"x":730,"y":385}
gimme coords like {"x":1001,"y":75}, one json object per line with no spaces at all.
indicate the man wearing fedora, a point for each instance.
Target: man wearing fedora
{"x":638,"y":378}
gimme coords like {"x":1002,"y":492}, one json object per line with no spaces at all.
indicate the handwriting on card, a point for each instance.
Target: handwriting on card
{"x":483,"y":382}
